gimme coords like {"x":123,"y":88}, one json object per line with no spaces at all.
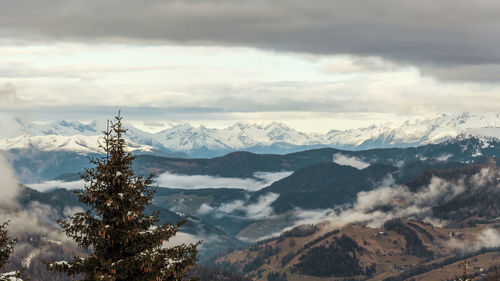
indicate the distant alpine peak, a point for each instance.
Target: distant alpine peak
{"x":274,"y":137}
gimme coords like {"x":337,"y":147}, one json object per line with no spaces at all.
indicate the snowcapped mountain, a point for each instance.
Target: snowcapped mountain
{"x":240,"y":136}
{"x":271,"y":138}
{"x":417,"y":132}
{"x":60,"y":136}
{"x":76,"y":143}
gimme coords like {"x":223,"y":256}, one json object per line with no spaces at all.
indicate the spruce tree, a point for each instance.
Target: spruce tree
{"x":6,"y":249}
{"x":465,"y":276}
{"x":126,"y":243}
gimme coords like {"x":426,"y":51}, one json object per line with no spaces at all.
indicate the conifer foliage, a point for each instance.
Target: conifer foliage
{"x":126,"y":243}
{"x":6,"y":249}
{"x":465,"y":276}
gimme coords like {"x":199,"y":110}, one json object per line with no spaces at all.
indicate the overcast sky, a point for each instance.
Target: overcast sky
{"x":315,"y":65}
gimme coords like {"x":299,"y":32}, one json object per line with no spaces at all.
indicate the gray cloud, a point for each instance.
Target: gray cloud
{"x":469,"y":73}
{"x":443,"y":33}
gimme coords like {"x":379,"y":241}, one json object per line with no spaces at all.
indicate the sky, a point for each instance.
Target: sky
{"x":313,"y":65}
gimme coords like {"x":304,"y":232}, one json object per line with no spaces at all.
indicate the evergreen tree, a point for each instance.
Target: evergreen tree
{"x":465,"y":276}
{"x":126,"y":244}
{"x":6,"y":249}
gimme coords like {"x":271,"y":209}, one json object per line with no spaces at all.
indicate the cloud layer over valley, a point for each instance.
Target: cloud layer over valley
{"x":54,"y":184}
{"x":389,"y":201}
{"x":35,"y":219}
{"x":170,"y":180}
{"x":261,"y":180}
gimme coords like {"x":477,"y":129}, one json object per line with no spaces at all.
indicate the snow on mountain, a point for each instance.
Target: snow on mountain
{"x":240,"y":136}
{"x":417,"y":132}
{"x":63,"y":128}
{"x":194,"y":141}
{"x":76,"y":143}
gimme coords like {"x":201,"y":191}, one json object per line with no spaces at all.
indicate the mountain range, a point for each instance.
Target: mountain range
{"x":185,"y":140}
{"x":384,"y":213}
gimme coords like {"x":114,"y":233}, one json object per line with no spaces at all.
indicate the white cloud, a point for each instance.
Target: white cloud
{"x":8,"y":186}
{"x":36,"y":218}
{"x":370,"y":206}
{"x":444,"y":157}
{"x":8,"y":95}
{"x":182,"y":238}
{"x":53,"y":184}
{"x":270,"y":177}
{"x":205,"y":209}
{"x":262,"y":179}
{"x":487,"y":238}
{"x":345,"y":160}
{"x":226,"y":83}
{"x":202,"y":181}
{"x":261,"y":209}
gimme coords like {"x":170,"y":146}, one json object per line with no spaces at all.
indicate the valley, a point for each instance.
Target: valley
{"x":268,"y":140}
{"x":322,"y":214}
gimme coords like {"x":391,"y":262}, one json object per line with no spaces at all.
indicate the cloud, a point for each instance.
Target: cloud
{"x":8,"y":95}
{"x":182,"y":238}
{"x":389,"y":201}
{"x":54,"y":184}
{"x":444,"y":157}
{"x":228,"y":83}
{"x":356,"y":65}
{"x":487,"y":72}
{"x":35,"y":219}
{"x":488,"y":238}
{"x":9,"y":188}
{"x":205,"y":209}
{"x":270,"y":177}
{"x":261,"y":209}
{"x":446,"y":33}
{"x":209,"y":242}
{"x":262,"y":180}
{"x":345,"y":160}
